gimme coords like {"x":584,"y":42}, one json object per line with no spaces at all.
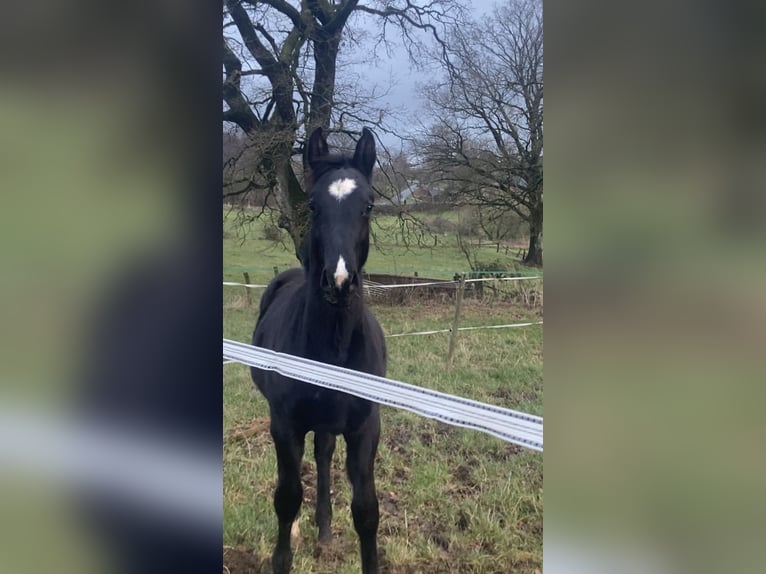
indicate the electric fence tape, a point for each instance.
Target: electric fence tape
{"x":466,"y":329}
{"x":519,"y":428}
{"x":248,"y":285}
{"x":395,"y":286}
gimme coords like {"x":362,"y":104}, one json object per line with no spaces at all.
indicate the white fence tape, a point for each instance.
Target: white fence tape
{"x":503,"y":278}
{"x":447,"y":282}
{"x":519,"y":428}
{"x":395,"y":286}
{"x":248,"y":285}
{"x":424,"y":284}
{"x":466,"y":329}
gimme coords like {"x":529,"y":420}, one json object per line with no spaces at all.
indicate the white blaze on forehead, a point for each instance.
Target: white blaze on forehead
{"x":340,"y":188}
{"x":341,"y":273}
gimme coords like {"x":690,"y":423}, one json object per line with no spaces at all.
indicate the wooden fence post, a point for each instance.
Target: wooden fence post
{"x":247,"y":289}
{"x":456,"y":321}
{"x":276,"y":270}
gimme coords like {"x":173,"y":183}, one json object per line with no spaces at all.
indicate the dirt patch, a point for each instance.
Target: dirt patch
{"x":437,"y":535}
{"x":462,"y":473}
{"x":436,"y":434}
{"x":440,"y":539}
{"x":503,"y":452}
{"x":533,"y":527}
{"x":463,"y":520}
{"x":511,"y":449}
{"x":397,"y":435}
{"x":256,"y":428}
{"x":401,"y":475}
{"x":337,"y":552}
{"x":241,"y":560}
{"x":464,"y":482}
{"x":309,"y":482}
{"x":397,"y":439}
{"x":389,"y":503}
{"x":508,"y":396}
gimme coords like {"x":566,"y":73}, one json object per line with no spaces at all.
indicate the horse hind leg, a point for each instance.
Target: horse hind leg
{"x":360,"y":460}
{"x":324,"y":447}
{"x":288,"y":494}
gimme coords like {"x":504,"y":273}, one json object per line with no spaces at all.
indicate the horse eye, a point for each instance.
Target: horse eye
{"x":368,"y":209}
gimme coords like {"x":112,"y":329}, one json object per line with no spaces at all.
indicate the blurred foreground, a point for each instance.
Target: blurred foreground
{"x":656,"y":315}
{"x":110,"y":394}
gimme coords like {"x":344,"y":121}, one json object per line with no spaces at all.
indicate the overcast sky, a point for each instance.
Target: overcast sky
{"x":404,"y":96}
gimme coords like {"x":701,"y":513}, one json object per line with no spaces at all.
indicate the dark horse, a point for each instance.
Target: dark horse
{"x":319,"y":313}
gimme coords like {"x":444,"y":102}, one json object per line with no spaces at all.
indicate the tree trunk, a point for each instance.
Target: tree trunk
{"x":294,"y":215}
{"x":325,"y":61}
{"x":535,"y":251}
{"x":287,"y":189}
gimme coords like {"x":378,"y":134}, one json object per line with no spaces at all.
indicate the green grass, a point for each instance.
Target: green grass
{"x":389,"y":253}
{"x":451,"y":500}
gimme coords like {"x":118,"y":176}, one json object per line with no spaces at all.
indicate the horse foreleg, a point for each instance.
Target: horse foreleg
{"x":360,"y":460}
{"x":324,"y":447}
{"x":289,"y":492}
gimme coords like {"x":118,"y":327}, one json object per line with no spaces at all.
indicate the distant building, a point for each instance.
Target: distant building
{"x":415,"y":192}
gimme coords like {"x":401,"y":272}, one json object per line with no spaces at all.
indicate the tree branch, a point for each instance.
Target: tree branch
{"x":342,"y":13}
{"x":318,"y":11}
{"x":239,"y":110}
{"x":284,"y":8}
{"x":249,"y":35}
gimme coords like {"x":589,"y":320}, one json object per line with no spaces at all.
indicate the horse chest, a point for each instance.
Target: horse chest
{"x":328,"y":411}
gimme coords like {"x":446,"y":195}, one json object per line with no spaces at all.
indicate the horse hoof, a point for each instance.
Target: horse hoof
{"x":282,"y":562}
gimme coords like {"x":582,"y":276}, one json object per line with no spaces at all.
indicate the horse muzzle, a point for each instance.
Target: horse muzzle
{"x":338,"y":287}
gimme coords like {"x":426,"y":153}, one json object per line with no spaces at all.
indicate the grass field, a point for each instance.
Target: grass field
{"x":390,"y":252}
{"x":451,"y":500}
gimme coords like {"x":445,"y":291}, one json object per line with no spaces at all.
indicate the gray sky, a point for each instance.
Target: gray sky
{"x":404,"y":96}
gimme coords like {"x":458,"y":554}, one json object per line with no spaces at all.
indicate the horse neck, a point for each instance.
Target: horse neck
{"x":329,"y":329}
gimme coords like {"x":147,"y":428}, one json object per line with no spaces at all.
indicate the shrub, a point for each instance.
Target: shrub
{"x":494,"y":268}
{"x":271,"y":232}
{"x":441,"y":225}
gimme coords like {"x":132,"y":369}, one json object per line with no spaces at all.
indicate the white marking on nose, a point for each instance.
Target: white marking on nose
{"x":341,"y":273}
{"x":340,"y":188}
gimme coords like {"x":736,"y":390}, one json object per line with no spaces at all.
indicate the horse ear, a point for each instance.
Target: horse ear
{"x":364,"y":156}
{"x":317,"y":146}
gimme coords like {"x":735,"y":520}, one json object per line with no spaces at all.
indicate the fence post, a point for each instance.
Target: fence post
{"x":276,"y":270}
{"x":247,"y":289}
{"x":456,"y":321}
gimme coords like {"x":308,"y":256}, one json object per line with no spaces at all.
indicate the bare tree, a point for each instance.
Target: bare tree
{"x":488,"y":135}
{"x":281,"y":63}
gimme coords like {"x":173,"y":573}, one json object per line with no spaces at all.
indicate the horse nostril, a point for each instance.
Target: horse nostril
{"x":326,"y":282}
{"x":338,"y":281}
{"x":341,"y":281}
